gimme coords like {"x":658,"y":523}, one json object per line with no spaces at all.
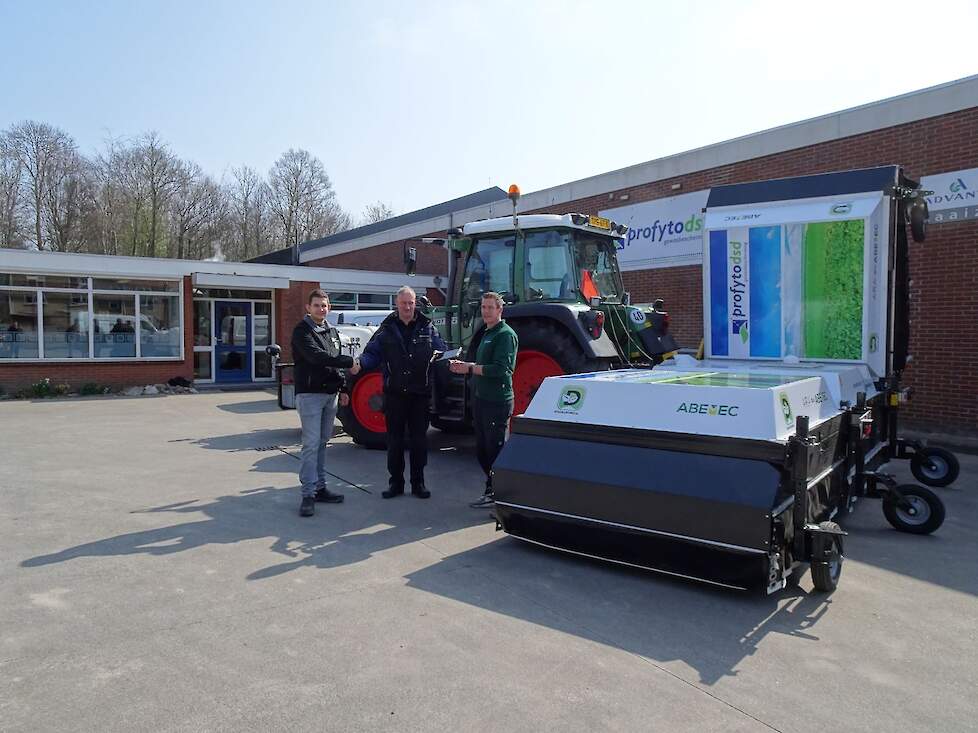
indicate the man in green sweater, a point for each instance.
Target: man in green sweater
{"x":492,"y":372}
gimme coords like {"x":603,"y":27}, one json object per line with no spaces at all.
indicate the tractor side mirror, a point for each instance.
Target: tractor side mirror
{"x":273,"y":350}
{"x":626,"y":298}
{"x":423,"y":303}
{"x":410,"y":260}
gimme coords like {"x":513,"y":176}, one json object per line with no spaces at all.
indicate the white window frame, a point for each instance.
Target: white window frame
{"x":91,"y":292}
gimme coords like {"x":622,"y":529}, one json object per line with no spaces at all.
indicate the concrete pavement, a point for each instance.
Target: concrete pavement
{"x":155,"y":575}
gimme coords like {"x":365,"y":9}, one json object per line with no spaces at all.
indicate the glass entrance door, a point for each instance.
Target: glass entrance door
{"x":232,"y":345}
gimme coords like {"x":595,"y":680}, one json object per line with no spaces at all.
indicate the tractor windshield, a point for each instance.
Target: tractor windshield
{"x":571,"y":265}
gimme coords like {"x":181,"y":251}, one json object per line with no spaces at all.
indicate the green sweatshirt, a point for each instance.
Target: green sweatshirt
{"x":497,"y":357}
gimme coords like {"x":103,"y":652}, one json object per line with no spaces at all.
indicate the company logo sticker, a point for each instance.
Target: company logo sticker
{"x":958,"y":186}
{"x":704,"y":408}
{"x":636,"y":315}
{"x":786,"y":409}
{"x":841,"y":208}
{"x":571,"y":400}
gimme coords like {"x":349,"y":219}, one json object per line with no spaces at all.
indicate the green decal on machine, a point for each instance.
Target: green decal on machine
{"x":571,"y":399}
{"x":786,"y":409}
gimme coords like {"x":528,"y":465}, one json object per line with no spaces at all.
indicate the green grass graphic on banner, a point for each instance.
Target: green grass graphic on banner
{"x":833,"y":299}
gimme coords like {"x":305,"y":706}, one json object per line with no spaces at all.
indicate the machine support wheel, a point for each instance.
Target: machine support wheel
{"x":826,"y":558}
{"x":914,"y":509}
{"x":934,"y":466}
{"x":546,"y":350}
{"x":363,"y":419}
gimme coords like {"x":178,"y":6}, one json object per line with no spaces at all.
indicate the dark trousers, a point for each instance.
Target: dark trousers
{"x":406,"y":413}
{"x":491,"y":423}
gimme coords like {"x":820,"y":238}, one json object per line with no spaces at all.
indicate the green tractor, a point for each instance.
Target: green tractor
{"x":559,"y":277}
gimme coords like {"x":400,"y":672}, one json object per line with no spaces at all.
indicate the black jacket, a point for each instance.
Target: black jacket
{"x":318,"y":360}
{"x":404,"y":352}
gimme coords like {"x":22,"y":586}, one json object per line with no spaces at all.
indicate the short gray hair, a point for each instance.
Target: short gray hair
{"x":405,"y":289}
{"x":492,"y":295}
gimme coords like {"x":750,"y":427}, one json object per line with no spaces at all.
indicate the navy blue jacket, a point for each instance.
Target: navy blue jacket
{"x":404,"y":353}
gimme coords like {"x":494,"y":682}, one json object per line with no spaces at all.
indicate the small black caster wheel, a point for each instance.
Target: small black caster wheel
{"x":919,"y":511}
{"x":935,"y":466}
{"x":826,"y":559}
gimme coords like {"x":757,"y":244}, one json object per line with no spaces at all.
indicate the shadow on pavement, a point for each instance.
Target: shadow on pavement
{"x":351,"y":534}
{"x":662,"y":619}
{"x":251,"y":407}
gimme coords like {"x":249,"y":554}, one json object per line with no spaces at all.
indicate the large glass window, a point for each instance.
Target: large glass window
{"x":263,"y":324}
{"x":18,"y":325}
{"x":232,"y":294}
{"x":203,"y":334}
{"x":43,"y":281}
{"x":489,"y":267}
{"x":597,"y":260}
{"x":159,"y":325}
{"x":202,"y":365}
{"x":165,"y":286}
{"x":65,"y":326}
{"x":114,"y":324}
{"x":263,"y":365}
{"x":342,"y":301}
{"x":550,"y":266}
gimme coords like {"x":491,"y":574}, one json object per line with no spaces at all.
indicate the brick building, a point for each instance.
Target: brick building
{"x":82,"y":319}
{"x":931,"y":133}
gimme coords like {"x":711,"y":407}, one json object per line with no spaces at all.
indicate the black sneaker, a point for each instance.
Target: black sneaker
{"x":308,"y":506}
{"x":488,"y":499}
{"x":420,"y":491}
{"x":327,"y":496}
{"x":392,"y":492}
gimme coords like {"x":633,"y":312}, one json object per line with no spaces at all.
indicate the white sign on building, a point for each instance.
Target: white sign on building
{"x":955,"y":195}
{"x":662,"y":233}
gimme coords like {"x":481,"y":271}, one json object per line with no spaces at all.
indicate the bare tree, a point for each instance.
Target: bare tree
{"x":38,"y":148}
{"x":378,"y":211}
{"x":303,"y":199}
{"x":197,"y":202}
{"x":250,"y":215}
{"x":159,"y":168}
{"x":66,"y":196}
{"x":11,"y":176}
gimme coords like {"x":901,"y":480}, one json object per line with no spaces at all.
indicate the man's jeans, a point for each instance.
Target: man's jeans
{"x":316,"y":413}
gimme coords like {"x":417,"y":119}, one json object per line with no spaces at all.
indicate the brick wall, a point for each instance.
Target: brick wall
{"x":115,"y":374}
{"x":944,"y":308}
{"x":289,"y":310}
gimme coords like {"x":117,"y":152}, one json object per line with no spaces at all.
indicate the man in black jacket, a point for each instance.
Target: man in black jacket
{"x":404,"y":345}
{"x":318,"y":360}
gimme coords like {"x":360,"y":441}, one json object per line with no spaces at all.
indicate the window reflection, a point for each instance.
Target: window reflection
{"x":159,"y":325}
{"x":18,"y":325}
{"x":114,"y":324}
{"x":65,"y":326}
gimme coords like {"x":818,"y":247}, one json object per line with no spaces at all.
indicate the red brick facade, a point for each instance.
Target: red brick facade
{"x":944,"y":269}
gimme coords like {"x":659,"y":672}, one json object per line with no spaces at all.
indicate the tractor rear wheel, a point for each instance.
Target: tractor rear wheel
{"x":363,"y":419}
{"x":546,"y":350}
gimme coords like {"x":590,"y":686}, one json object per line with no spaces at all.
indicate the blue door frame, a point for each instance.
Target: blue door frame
{"x":232,"y":347}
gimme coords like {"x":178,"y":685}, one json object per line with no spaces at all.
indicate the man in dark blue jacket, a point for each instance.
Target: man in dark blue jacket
{"x":404,"y":345}
{"x":318,"y":378}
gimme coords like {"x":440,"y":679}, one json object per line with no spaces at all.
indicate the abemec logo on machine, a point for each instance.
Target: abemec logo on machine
{"x":786,"y":409}
{"x":705,"y":408}
{"x":571,"y":400}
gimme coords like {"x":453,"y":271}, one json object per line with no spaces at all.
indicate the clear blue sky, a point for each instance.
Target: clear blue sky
{"x":416,"y":102}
